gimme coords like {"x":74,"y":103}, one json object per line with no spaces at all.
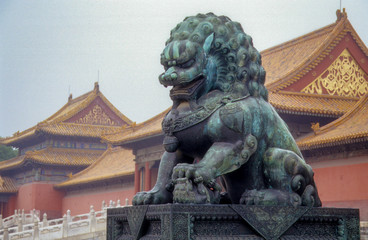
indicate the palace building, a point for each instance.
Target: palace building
{"x":54,"y":150}
{"x":318,"y":83}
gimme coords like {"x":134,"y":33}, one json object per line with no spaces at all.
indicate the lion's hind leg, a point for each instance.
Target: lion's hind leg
{"x":289,"y":181}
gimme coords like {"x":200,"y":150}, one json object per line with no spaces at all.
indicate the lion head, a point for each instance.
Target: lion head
{"x":206,"y":53}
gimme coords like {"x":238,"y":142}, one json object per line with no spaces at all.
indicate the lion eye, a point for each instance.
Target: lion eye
{"x":186,"y":64}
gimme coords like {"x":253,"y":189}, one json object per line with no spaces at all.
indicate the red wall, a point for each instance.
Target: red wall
{"x":39,"y":196}
{"x":10,"y":207}
{"x":344,"y":186}
{"x":79,"y":203}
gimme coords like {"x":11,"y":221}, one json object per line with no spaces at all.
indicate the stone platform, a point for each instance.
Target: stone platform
{"x":225,"y":222}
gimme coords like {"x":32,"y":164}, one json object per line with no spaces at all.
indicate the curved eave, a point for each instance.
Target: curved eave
{"x":311,"y":104}
{"x":30,"y":160}
{"x":137,"y":132}
{"x":101,"y":179}
{"x":53,"y":157}
{"x":351,"y":127}
{"x":76,"y":130}
{"x":139,"y":138}
{"x":12,"y":163}
{"x":333,"y":142}
{"x":19,"y":137}
{"x":113,"y":163}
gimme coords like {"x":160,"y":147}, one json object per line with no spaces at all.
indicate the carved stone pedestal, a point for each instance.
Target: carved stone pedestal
{"x":225,"y":222}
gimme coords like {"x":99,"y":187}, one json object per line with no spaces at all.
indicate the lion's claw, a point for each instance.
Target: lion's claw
{"x":152,"y":197}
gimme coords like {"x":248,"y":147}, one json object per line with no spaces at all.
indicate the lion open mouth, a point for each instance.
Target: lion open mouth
{"x":188,"y":89}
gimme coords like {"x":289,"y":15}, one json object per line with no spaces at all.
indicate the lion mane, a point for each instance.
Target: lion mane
{"x":238,"y":63}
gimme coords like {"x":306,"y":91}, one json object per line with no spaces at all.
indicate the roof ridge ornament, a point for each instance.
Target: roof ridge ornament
{"x":341,"y":15}
{"x":97,"y":87}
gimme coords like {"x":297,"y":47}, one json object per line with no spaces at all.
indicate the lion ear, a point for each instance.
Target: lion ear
{"x":208,"y":43}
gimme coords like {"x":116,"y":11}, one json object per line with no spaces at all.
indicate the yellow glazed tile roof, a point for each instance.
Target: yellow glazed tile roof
{"x":7,"y":185}
{"x":282,"y":60}
{"x":115,"y":162}
{"x":150,"y":128}
{"x":352,"y":127}
{"x":311,"y":104}
{"x":288,"y":62}
{"x":55,"y":125}
{"x":54,"y":156}
{"x":77,"y":130}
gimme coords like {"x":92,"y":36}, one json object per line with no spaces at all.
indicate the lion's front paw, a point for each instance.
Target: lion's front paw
{"x":186,"y":191}
{"x":194,"y":184}
{"x":152,"y":197}
{"x":193,"y":172}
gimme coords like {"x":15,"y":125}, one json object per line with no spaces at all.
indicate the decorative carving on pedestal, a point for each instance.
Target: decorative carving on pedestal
{"x":192,"y":222}
{"x":271,"y":222}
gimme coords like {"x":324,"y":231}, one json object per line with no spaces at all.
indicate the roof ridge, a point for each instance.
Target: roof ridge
{"x":312,"y":60}
{"x":115,"y":110}
{"x":70,"y":102}
{"x":76,"y":109}
{"x":307,"y":36}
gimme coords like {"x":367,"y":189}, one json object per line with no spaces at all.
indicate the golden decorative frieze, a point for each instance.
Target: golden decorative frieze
{"x":97,"y":117}
{"x":344,"y":77}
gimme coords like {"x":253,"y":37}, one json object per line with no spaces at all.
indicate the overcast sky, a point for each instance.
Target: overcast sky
{"x":48,"y":47}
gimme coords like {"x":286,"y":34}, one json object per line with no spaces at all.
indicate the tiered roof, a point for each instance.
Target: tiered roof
{"x":350,"y":128}
{"x":54,"y":157}
{"x":114,"y":163}
{"x":295,"y":70}
{"x":89,"y":115}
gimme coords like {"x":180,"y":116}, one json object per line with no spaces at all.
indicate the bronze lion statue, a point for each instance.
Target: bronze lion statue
{"x":224,"y":142}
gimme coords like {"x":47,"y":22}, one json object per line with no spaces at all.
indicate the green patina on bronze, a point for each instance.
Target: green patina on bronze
{"x":224,"y":142}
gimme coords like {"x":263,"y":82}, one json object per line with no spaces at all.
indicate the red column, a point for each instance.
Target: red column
{"x":136,"y":179}
{"x":147,"y":179}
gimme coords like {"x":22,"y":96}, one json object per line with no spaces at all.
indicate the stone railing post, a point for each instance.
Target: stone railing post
{"x":44,"y":220}
{"x":23,"y":217}
{"x":92,"y":218}
{"x":18,"y":223}
{"x":6,"y":234}
{"x":1,"y":221}
{"x":103,"y":205}
{"x":36,"y":231}
{"x":65,"y":226}
{"x":118,"y":203}
{"x":33,"y":215}
{"x":68,"y":216}
{"x":126,"y":201}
